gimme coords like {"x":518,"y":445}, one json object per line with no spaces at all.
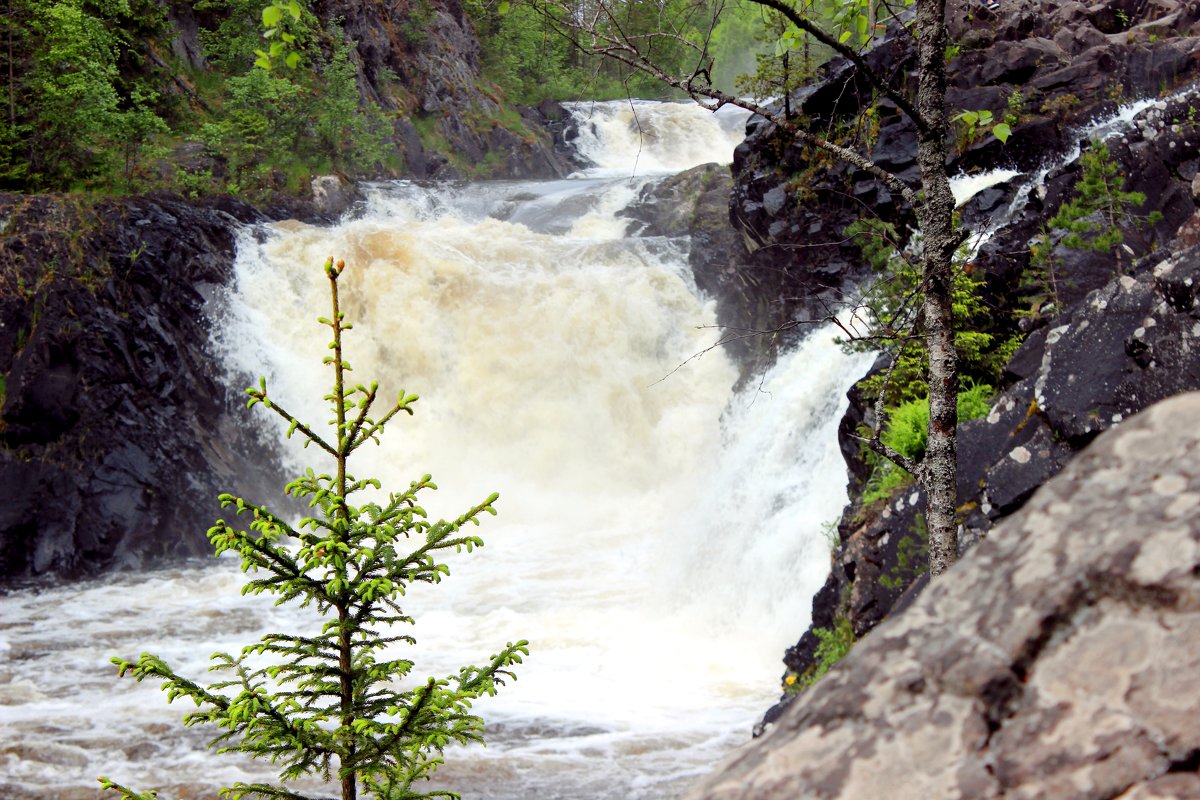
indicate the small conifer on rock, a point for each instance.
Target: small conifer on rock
{"x":338,"y":702}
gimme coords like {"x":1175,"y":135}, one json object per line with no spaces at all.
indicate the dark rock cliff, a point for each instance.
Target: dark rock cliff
{"x":116,"y":430}
{"x":1125,"y":332}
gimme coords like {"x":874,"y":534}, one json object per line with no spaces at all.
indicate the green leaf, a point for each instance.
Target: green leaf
{"x":503,"y":7}
{"x":271,"y":15}
{"x":1002,"y":132}
{"x":292,"y":60}
{"x":845,"y":37}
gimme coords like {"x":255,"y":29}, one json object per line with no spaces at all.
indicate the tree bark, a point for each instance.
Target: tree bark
{"x":935,"y":215}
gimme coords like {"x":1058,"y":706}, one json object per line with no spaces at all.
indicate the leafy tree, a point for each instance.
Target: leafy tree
{"x":350,"y":133}
{"x":337,"y":701}
{"x":237,"y":42}
{"x":525,"y":56}
{"x":923,"y":100}
{"x":69,"y":118}
{"x":983,"y":339}
{"x":281,"y":122}
{"x":265,"y":115}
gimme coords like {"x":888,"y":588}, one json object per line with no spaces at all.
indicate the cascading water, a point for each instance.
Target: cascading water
{"x":659,"y":539}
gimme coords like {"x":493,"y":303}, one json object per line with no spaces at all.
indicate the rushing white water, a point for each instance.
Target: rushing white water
{"x":1102,"y":128}
{"x":621,"y":137}
{"x":659,"y":539}
{"x":964,"y":186}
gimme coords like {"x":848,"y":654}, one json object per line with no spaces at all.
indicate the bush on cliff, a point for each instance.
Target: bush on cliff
{"x":335,"y":702}
{"x":907,"y":431}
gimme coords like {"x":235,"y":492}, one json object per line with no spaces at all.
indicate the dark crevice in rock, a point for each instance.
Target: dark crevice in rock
{"x":1188,"y":763}
{"x":1095,"y":587}
{"x":1001,"y":698}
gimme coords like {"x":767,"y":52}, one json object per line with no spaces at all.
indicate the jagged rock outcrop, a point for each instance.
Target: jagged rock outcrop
{"x":1057,"y":659}
{"x":1120,"y":332}
{"x":431,"y":47}
{"x":1052,"y":65}
{"x":116,"y":430}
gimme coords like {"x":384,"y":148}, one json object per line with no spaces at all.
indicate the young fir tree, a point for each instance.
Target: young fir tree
{"x":337,"y":701}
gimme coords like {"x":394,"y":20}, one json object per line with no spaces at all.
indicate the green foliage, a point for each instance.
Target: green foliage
{"x":907,"y":431}
{"x":524,"y":53}
{"x":912,"y":557}
{"x":973,"y":123}
{"x":529,"y":59}
{"x":787,"y":58}
{"x":338,"y":702}
{"x":975,"y":402}
{"x":237,"y":43}
{"x":1062,"y":106}
{"x":275,"y":18}
{"x":72,"y":118}
{"x":350,"y":134}
{"x":1093,"y":220}
{"x":306,"y":122}
{"x":893,"y":302}
{"x":835,"y":643}
{"x":1014,"y":107}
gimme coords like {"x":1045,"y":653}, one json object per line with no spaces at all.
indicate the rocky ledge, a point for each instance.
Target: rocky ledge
{"x":1057,"y":659}
{"x":1049,"y":67}
{"x":116,"y":430}
{"x":1123,"y":334}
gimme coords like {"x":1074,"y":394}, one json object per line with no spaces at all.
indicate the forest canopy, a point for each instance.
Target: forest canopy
{"x":98,"y":96}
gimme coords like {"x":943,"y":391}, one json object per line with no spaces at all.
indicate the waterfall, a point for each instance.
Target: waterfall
{"x":659,"y":538}
{"x":623,"y":137}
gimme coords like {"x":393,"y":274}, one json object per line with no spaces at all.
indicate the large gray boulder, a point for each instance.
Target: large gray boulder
{"x":1057,"y":659}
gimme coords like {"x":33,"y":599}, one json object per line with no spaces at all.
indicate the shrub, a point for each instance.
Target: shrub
{"x":907,"y":431}
{"x":335,"y":702}
{"x":835,"y":643}
{"x":1092,"y":221}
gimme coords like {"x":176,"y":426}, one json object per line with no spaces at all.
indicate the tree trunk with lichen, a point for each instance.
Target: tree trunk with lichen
{"x":941,"y":239}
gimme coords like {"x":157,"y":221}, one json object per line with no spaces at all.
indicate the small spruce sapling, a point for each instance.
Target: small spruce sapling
{"x":336,"y":702}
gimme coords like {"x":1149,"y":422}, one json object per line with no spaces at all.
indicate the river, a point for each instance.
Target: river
{"x":660,"y":536}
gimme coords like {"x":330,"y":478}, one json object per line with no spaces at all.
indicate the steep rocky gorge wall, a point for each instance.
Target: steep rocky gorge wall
{"x":419,"y":61}
{"x":1125,"y":333}
{"x":440,"y":80}
{"x":116,"y":430}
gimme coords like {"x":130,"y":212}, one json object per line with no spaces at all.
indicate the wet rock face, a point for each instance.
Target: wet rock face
{"x":117,"y":430}
{"x":694,"y":203}
{"x":1123,"y":332}
{"x":1057,"y":659}
{"x":432,"y":48}
{"x":1052,"y":66}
